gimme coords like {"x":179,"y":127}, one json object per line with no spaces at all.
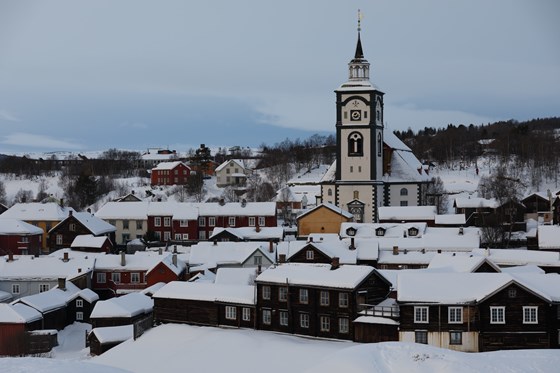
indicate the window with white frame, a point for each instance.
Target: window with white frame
{"x":246,"y":314}
{"x":303,"y":296}
{"x":455,"y":315}
{"x":257,"y":260}
{"x":24,"y":239}
{"x":343,"y":325}
{"x":251,"y":221}
{"x":325,"y":322}
{"x":166,"y":236}
{"x":202,"y":221}
{"x":282,"y":293}
{"x":15,"y":289}
{"x":421,"y":315}
{"x":116,"y":277}
{"x":343,"y":299}
{"x":59,"y":239}
{"x":79,"y":316}
{"x":455,"y":337}
{"x":231,"y":221}
{"x":421,"y":336}
{"x":324,"y":298}
{"x":262,"y":221}
{"x":72,"y":227}
{"x":266,"y":317}
{"x":211,"y":221}
{"x":231,"y":313}
{"x":44,"y":287}
{"x":167,"y":221}
{"x":266,"y":292}
{"x":79,"y":303}
{"x":139,"y":225}
{"x":157,"y":221}
{"x":201,"y":235}
{"x":125,"y":224}
{"x":530,"y":315}
{"x":101,"y":278}
{"x":183,"y":223}
{"x":185,"y":236}
{"x":284,"y":318}
{"x":157,"y":234}
{"x":135,"y":277}
{"x":498,"y":315}
{"x":177,"y":236}
{"x":309,"y":255}
{"x":304,"y":320}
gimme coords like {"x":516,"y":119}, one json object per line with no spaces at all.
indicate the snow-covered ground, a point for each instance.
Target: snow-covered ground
{"x":176,"y":347}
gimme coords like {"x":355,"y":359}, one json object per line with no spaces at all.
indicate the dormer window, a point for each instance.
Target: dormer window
{"x":413,"y":231}
{"x":380,"y":232}
{"x":351,"y":231}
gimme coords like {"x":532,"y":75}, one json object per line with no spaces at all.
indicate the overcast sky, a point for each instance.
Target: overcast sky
{"x":132,"y":74}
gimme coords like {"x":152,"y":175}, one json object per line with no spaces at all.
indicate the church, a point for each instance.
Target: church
{"x":373,"y":168}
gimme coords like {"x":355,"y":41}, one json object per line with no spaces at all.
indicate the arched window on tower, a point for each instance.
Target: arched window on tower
{"x":379,"y":144}
{"x":404,"y":192}
{"x":355,"y":144}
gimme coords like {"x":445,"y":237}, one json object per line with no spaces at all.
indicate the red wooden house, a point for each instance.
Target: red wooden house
{"x":15,"y":321}
{"x":19,"y":238}
{"x":170,"y":173}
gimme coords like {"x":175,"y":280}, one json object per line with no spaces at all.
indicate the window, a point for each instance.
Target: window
{"x":201,"y":235}
{"x":309,"y":255}
{"x":343,"y":299}
{"x":356,"y":194}
{"x":304,"y":320}
{"x":135,"y":277}
{"x":266,"y":317}
{"x":404,"y":203}
{"x":116,"y":277}
{"x":303,"y":296}
{"x":59,"y":239}
{"x":202,"y":221}
{"x":166,"y":236}
{"x":343,"y":325}
{"x":284,"y":318}
{"x":497,"y":315}
{"x":251,"y":221}
{"x":79,"y":316}
{"x":72,"y":227}
{"x":421,"y":315}
{"x":183,"y":223}
{"x":257,"y":260}
{"x":231,"y":313}
{"x":79,"y":303}
{"x":262,"y":221}
{"x":455,"y":338}
{"x":325,"y":323}
{"x":355,"y":144}
{"x":101,"y":278}
{"x":512,"y":292}
{"x":231,"y":221}
{"x":125,"y":237}
{"x":351,"y":168}
{"x":157,"y":234}
{"x":167,"y":221}
{"x":125,"y":224}
{"x":177,"y":236}
{"x":157,"y":221}
{"x":329,"y":192}
{"x":185,"y":236}
{"x":227,"y":170}
{"x":266,"y":292}
{"x":404,"y":192}
{"x":530,"y":315}
{"x":44,"y":287}
{"x":282,"y":294}
{"x":15,"y":288}
{"x":24,"y":239}
{"x":211,"y":221}
{"x":139,"y":225}
{"x":246,"y":314}
{"x":379,"y":145}
{"x":455,"y":315}
{"x":421,"y":336}
{"x":324,"y":298}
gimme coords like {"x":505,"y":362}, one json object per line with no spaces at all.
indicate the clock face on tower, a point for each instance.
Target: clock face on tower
{"x":355,"y":115}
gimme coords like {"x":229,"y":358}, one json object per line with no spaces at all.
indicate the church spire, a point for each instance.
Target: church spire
{"x":359,"y":52}
{"x":358,"y":68}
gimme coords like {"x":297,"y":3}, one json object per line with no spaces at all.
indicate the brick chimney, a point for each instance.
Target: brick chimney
{"x":282,"y":258}
{"x":395,"y":250}
{"x":270,"y":246}
{"x":10,"y":257}
{"x":174,"y":259}
{"x":62,"y":284}
{"x":123,"y":258}
{"x":65,"y":257}
{"x":335,"y":263}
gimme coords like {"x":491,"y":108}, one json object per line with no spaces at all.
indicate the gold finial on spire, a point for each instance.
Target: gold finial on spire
{"x":359,"y":20}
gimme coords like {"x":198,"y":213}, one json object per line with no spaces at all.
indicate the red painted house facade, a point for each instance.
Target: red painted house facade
{"x":19,"y":238}
{"x":170,"y":173}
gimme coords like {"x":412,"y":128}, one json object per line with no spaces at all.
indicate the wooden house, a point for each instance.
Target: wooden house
{"x":125,"y":310}
{"x":231,"y":254}
{"x":319,"y":300}
{"x":408,"y":214}
{"x":81,"y":305}
{"x":90,"y":243}
{"x":478,"y":211}
{"x":232,"y":172}
{"x":251,"y":233}
{"x":19,"y":238}
{"x":325,"y":218}
{"x":170,"y":173}
{"x":78,"y":223}
{"x":103,"y":339}
{"x":15,"y":322}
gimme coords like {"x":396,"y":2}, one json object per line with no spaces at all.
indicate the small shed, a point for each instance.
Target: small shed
{"x":105,"y":338}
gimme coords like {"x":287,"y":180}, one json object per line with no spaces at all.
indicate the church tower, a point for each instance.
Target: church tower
{"x":359,"y":134}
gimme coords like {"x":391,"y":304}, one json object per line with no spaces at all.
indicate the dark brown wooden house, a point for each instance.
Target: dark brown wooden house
{"x":103,"y":339}
{"x":78,"y":223}
{"x":319,"y":300}
{"x":125,"y":310}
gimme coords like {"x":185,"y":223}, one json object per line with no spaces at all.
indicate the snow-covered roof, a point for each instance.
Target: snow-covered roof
{"x":128,"y":305}
{"x":251,"y":233}
{"x":235,"y":276}
{"x":407,"y":213}
{"x":330,"y":175}
{"x":17,"y":227}
{"x":168,"y":165}
{"x":87,"y":294}
{"x":393,"y":142}
{"x":18,"y":314}
{"x":344,"y":277}
{"x":239,"y":162}
{"x":516,"y":257}
{"x":411,"y":257}
{"x":459,"y":262}
{"x":122,"y":210}
{"x":375,"y":320}
{"x":139,"y":261}
{"x":51,"y":299}
{"x":213,"y":254}
{"x":450,"y":219}
{"x":308,"y":176}
{"x":210,"y":292}
{"x":236,"y":209}
{"x":329,"y":206}
{"x":46,"y":267}
{"x":549,"y":237}
{"x":331,"y":248}
{"x":475,"y":202}
{"x":88,"y":240}
{"x":93,"y":223}
{"x":36,"y":211}
{"x":112,"y":334}
{"x":546,"y":284}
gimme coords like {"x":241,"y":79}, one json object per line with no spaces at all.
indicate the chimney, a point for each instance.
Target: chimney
{"x":88,"y":210}
{"x":461,"y":231}
{"x":257,"y":228}
{"x":270,"y":246}
{"x":282,"y":258}
{"x":405,"y":251}
{"x":215,"y":242}
{"x":123,"y":258}
{"x":160,"y":251}
{"x":259,"y":269}
{"x":79,"y":270}
{"x":335,"y":263}
{"x":439,"y":251}
{"x":243,"y":202}
{"x":69,"y":212}
{"x":10,"y":257}
{"x":222,"y":202}
{"x":65,"y":257}
{"x":62,"y":202}
{"x":352,"y":246}
{"x":62,"y":284}
{"x":310,"y":238}
{"x":174,"y":259}
{"x":423,"y":251}
{"x":395,"y":250}
{"x":174,"y":249}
